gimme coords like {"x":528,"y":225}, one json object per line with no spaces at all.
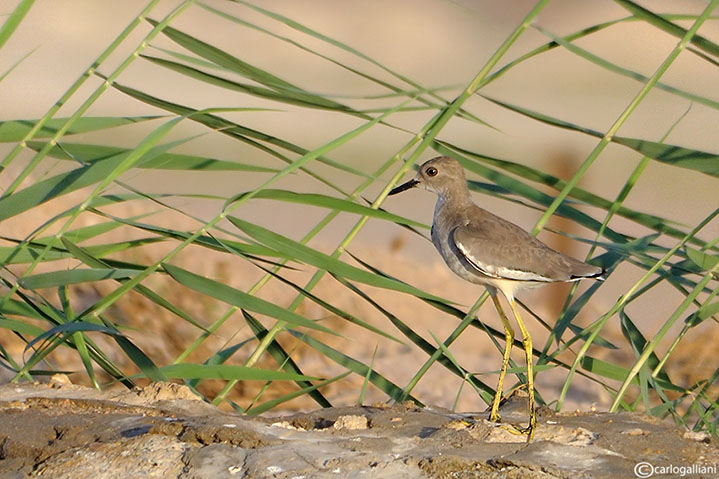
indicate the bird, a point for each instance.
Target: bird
{"x":482,"y":248}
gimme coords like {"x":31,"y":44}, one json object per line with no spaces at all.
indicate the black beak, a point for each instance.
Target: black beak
{"x":404,"y":186}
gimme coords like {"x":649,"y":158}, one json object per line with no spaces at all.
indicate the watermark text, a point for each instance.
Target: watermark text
{"x":644,"y":470}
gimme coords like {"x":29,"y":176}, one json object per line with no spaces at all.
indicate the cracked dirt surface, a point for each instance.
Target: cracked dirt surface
{"x":59,"y":430}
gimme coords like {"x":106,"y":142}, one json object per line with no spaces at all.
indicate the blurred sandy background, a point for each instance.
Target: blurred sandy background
{"x":438,"y":44}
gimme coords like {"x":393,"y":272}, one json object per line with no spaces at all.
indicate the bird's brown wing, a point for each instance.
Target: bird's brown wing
{"x":502,"y":250}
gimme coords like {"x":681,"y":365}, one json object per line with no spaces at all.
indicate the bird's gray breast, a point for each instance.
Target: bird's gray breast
{"x":442,"y":227}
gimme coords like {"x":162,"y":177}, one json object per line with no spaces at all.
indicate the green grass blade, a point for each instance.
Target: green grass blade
{"x":28,"y":253}
{"x":234,"y":130}
{"x":329,"y":202}
{"x":78,"y":338}
{"x":487,"y":392}
{"x":164,"y":161}
{"x":75,"y":276}
{"x":607,"y":65}
{"x":638,"y":342}
{"x":14,"y":20}
{"x":45,"y":190}
{"x":343,"y":46}
{"x":228,"y":372}
{"x":292,"y":96}
{"x":102,"y":172}
{"x":706,"y":311}
{"x":358,"y":367}
{"x":220,"y":357}
{"x":206,"y":241}
{"x":704,"y":162}
{"x":224,"y":59}
{"x":78,"y":235}
{"x":14,"y":307}
{"x":320,"y":260}
{"x":16,"y":130}
{"x":331,"y":308}
{"x":12,"y":67}
{"x":140,"y":359}
{"x":701,"y":161}
{"x":19,"y":326}
{"x":283,"y":359}
{"x":85,"y":255}
{"x":238,"y":298}
{"x":704,"y":261}
{"x":669,"y":27}
{"x":69,"y":328}
{"x":271,"y":404}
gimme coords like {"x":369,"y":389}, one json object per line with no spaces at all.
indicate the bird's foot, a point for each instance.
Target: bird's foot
{"x":519,"y":431}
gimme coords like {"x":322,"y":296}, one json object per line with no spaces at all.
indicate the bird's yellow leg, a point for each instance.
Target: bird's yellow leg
{"x":508,"y":341}
{"x":527,"y":342}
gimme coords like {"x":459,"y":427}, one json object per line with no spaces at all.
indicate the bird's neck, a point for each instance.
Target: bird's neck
{"x":456,"y":198}
{"x":452,"y":202}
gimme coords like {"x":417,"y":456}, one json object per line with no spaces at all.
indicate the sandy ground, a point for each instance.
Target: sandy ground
{"x":61,"y":430}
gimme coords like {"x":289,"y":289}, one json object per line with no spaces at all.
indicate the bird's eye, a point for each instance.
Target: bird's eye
{"x":431,"y":171}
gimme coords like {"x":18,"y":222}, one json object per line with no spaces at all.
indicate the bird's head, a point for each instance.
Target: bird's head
{"x":442,"y":175}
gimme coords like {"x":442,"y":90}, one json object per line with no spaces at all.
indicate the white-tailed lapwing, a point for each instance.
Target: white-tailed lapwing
{"x":485,"y":249}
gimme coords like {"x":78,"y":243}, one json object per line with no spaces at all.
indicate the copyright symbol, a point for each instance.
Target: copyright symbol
{"x":643,"y":470}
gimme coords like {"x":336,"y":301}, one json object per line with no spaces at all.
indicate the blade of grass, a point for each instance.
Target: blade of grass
{"x":291,"y":96}
{"x":612,"y":67}
{"x":97,"y":172}
{"x":86,"y":256}
{"x":228,"y":372}
{"x":382,"y":383}
{"x":273,"y":403}
{"x":91,"y":99}
{"x":164,"y":161}
{"x":487,"y":393}
{"x":331,"y":308}
{"x":73,"y":276}
{"x":17,"y":130}
{"x":7,"y":72}
{"x":238,"y":132}
{"x":14,"y":20}
{"x":342,"y":46}
{"x":697,"y":160}
{"x":329,"y":202}
{"x":669,"y":27}
{"x":638,"y":342}
{"x":281,"y":357}
{"x":234,"y":296}
{"x":322,"y":261}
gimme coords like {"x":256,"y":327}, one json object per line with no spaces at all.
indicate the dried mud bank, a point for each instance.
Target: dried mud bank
{"x":59,"y":430}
